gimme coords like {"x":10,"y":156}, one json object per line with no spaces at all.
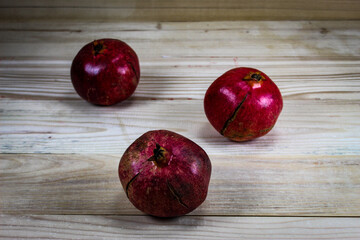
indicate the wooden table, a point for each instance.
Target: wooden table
{"x":59,"y":154}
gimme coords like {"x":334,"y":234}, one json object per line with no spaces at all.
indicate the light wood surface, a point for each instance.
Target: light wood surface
{"x":240,"y":185}
{"x":311,"y":127}
{"x":200,"y":227}
{"x":59,"y":154}
{"x":185,"y":10}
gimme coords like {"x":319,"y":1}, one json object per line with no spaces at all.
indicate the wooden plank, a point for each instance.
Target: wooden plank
{"x":284,"y":28}
{"x":187,"y":79}
{"x":162,"y":10}
{"x":291,"y":185}
{"x":317,"y":60}
{"x":242,"y":39}
{"x":311,"y":127}
{"x":144,"y":227}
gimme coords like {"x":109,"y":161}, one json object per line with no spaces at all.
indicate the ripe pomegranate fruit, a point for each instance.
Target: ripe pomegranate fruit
{"x":165,"y":174}
{"x":243,"y":104}
{"x":105,"y":72}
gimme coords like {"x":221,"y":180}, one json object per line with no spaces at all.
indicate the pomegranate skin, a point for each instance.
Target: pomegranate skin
{"x":105,"y":72}
{"x":243,"y":104}
{"x":172,"y":187}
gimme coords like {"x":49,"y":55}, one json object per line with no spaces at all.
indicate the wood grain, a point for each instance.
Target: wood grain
{"x":187,"y":79}
{"x":247,"y":40}
{"x":187,"y":10}
{"x":315,"y":64}
{"x":308,"y":60}
{"x":310,"y":127}
{"x":240,"y":185}
{"x":144,"y":227}
{"x":59,"y":154}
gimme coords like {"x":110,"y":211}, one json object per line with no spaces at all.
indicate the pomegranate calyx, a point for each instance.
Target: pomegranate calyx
{"x":254,"y":76}
{"x":98,"y":47}
{"x":160,"y":157}
{"x":158,"y":151}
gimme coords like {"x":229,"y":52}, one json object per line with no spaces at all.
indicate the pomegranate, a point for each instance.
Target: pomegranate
{"x":165,"y":174}
{"x":105,"y":72}
{"x":243,"y":104}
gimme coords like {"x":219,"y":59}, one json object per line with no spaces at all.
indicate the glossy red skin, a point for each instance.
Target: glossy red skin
{"x":258,"y":112}
{"x":188,"y":172}
{"x":108,"y":77}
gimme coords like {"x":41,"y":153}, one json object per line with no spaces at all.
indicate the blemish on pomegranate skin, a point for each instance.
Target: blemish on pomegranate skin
{"x":233,"y":116}
{"x":134,"y":70}
{"x":176,"y":194}
{"x":90,"y":92}
{"x":266,"y":129}
{"x":128,"y":184}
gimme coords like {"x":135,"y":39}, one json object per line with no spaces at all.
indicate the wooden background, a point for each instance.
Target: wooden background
{"x":59,"y":154}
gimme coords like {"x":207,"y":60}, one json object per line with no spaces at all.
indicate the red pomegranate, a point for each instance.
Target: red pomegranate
{"x":105,"y":72}
{"x":165,"y":174}
{"x":243,"y":104}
